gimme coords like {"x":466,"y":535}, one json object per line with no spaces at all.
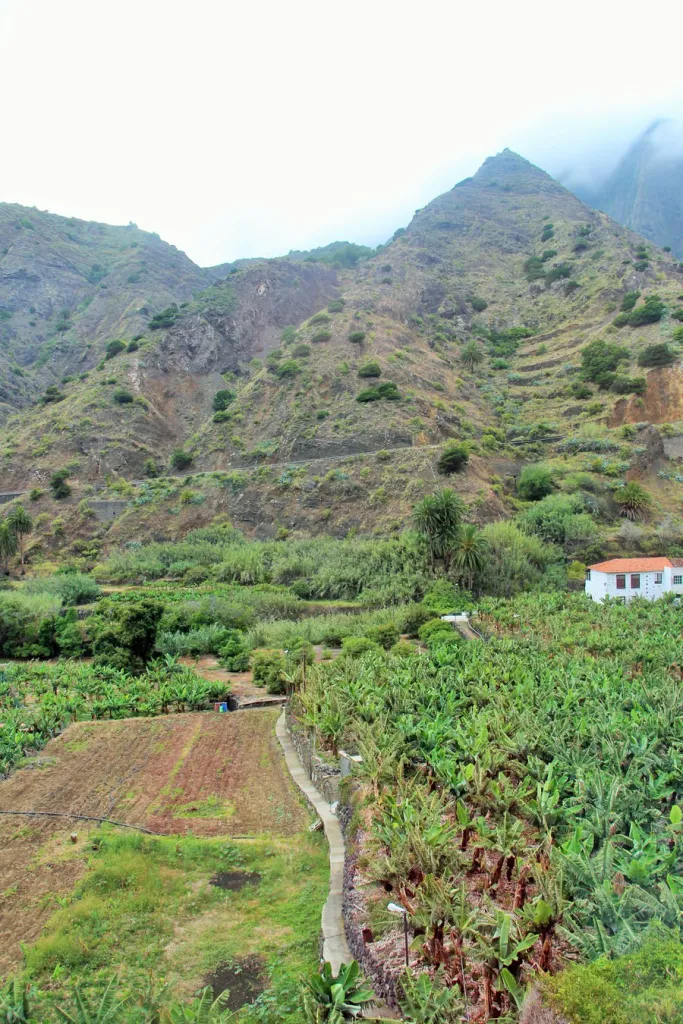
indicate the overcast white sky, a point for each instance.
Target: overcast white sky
{"x":243,"y":129}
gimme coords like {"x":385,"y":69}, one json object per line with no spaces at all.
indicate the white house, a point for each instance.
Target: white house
{"x":625,"y":578}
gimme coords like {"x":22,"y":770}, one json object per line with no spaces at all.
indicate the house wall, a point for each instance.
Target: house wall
{"x":604,"y":584}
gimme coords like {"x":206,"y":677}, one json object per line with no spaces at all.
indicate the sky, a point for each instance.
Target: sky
{"x":251,"y":129}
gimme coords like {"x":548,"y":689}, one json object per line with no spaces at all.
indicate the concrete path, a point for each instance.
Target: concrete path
{"x":335,"y":948}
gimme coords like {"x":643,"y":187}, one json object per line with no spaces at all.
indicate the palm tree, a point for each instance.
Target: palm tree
{"x":633,"y":500}
{"x":22,"y":524}
{"x":470,"y":553}
{"x":438,"y":518}
{"x":472,"y":355}
{"x":8,"y":543}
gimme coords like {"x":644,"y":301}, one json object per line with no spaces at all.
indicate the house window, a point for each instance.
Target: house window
{"x":621,"y":581}
{"x":678,"y":580}
{"x":635,"y":581}
{"x":659,"y":577}
{"x":588,"y":574}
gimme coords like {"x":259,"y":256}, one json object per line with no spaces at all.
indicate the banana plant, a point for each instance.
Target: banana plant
{"x":428,"y":1000}
{"x":108,"y":1010}
{"x":336,"y":998}
{"x":15,"y":1003}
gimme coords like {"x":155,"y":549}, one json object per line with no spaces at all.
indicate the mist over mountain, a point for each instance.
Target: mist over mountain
{"x":643,"y":190}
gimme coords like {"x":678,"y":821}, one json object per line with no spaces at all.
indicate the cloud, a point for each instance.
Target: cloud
{"x":240,"y":130}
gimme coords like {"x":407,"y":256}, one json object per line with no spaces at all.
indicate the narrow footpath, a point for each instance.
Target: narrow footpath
{"x":335,"y":948}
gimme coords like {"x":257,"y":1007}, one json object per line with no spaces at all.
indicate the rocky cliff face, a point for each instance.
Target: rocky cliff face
{"x":68,"y":286}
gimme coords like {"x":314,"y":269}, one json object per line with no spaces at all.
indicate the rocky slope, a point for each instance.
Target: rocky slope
{"x":67,"y":286}
{"x":344,"y":382}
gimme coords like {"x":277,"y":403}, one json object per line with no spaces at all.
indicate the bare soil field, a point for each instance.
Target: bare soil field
{"x":209,"y":774}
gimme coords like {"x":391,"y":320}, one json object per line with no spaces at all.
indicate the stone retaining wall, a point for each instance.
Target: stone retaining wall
{"x":325,"y":777}
{"x":380,"y":972}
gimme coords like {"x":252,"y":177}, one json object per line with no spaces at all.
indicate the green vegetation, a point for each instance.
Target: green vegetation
{"x":371,"y":369}
{"x":387,"y":390}
{"x":181,"y":459}
{"x":58,"y":484}
{"x":471,"y":355}
{"x":122,"y":397}
{"x":356,"y":337}
{"x":544,"y":834}
{"x":657,"y":355}
{"x":222,"y":399}
{"x":113,"y":349}
{"x":600,"y":360}
{"x":535,"y":482}
{"x":454,"y":457}
{"x":321,"y":336}
{"x":165,"y":319}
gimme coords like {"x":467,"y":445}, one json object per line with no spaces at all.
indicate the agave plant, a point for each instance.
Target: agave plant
{"x":334,"y":999}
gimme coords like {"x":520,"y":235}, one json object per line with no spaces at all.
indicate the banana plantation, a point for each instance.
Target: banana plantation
{"x":38,"y":701}
{"x":520,"y":796}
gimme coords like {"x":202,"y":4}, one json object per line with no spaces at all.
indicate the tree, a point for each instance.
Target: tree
{"x":472,"y":355}
{"x":438,"y":518}
{"x":8,"y":543}
{"x":125,"y":634}
{"x":535,"y":482}
{"x":470,"y":554}
{"x":454,"y":457}
{"x":633,"y":500}
{"x":22,"y":524}
{"x":59,"y":485}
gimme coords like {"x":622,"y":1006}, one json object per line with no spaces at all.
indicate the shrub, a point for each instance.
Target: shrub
{"x":52,"y":394}
{"x":454,"y":457}
{"x":415,"y":617}
{"x":499,"y":364}
{"x":371,"y":369}
{"x":180,"y":459}
{"x":133,"y":346}
{"x":268,"y":667}
{"x":535,"y":482}
{"x":650,"y":312}
{"x":301,"y":351}
{"x":677,"y":314}
{"x":336,"y":306}
{"x":548,"y":254}
{"x":151,"y":468}
{"x":386,"y":635}
{"x":628,"y":301}
{"x":434,"y":627}
{"x":73,"y":588}
{"x":356,"y":337}
{"x":122,"y":397}
{"x":622,"y":385}
{"x":580,"y":390}
{"x":599,"y":360}
{"x":319,"y":318}
{"x":222,"y":399}
{"x":166,"y":318}
{"x":288,"y":369}
{"x":558,"y":272}
{"x":224,"y":416}
{"x":320,"y":336}
{"x":113,"y":349}
{"x":58,"y":484}
{"x":657,"y":355}
{"x":678,"y":334}
{"x":35,"y":493}
{"x":234,"y":654}
{"x":548,"y":232}
{"x":478,"y":304}
{"x":641,"y":265}
{"x":387,"y":390}
{"x":355,"y":646}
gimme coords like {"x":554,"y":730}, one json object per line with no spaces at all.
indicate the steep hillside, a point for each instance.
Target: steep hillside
{"x":645,"y":190}
{"x":68,"y":286}
{"x":339,"y":385}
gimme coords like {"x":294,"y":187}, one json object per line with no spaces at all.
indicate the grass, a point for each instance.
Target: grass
{"x":146,"y":905}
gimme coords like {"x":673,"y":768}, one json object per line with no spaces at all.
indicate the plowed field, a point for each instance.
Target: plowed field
{"x":209,"y":774}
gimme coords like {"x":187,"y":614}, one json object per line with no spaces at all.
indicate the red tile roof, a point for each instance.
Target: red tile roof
{"x":633,"y":565}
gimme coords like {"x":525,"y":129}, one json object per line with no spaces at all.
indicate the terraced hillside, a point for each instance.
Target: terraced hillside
{"x":337,"y":386}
